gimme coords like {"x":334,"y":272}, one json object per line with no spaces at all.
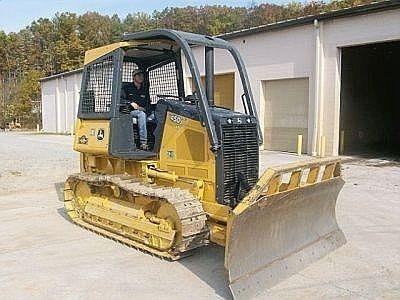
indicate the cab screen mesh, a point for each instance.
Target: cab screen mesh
{"x":97,"y":91}
{"x":163,"y":81}
{"x":127,"y":71}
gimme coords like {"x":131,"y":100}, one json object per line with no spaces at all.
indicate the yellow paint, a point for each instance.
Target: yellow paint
{"x":299,"y":144}
{"x":96,"y":53}
{"x":270,"y":183}
{"x":313,"y":174}
{"x":161,"y":175}
{"x":217,"y":233}
{"x":224,"y":89}
{"x":140,"y":220}
{"x":216,"y":211}
{"x":93,"y":54}
{"x":86,"y":136}
{"x":185,"y":150}
{"x":185,"y":161}
{"x":341,"y":141}
{"x":323,"y":144}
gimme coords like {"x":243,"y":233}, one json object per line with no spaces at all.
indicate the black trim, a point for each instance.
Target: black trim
{"x":185,"y":40}
{"x":179,"y":70}
{"x":251,"y":105}
{"x":196,"y":108}
{"x":209,"y":68}
{"x":177,"y":36}
{"x":122,"y":143}
{"x":160,"y":64}
{"x":117,"y":82}
{"x":238,"y":161}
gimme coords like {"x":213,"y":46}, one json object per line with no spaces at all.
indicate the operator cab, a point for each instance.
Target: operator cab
{"x":160,"y":55}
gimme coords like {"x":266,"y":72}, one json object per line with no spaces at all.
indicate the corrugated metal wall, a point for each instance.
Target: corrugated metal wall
{"x":60,"y":99}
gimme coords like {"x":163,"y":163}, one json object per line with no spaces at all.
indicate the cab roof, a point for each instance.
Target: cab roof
{"x":152,"y":41}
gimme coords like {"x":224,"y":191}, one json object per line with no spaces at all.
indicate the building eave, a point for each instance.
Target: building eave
{"x":347,"y":12}
{"x":61,"y":75}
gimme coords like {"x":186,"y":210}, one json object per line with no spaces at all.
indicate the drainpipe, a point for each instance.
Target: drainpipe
{"x":58,"y":107}
{"x":318,"y":105}
{"x":67,"y":104}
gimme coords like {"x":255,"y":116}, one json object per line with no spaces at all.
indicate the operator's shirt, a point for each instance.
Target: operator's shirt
{"x":132,"y":94}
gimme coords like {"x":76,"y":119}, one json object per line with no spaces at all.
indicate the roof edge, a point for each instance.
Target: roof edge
{"x":68,"y":73}
{"x":351,"y":11}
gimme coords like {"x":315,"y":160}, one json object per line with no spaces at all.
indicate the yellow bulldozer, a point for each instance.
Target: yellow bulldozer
{"x":198,"y":181}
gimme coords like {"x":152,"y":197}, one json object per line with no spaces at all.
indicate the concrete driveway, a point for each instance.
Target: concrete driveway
{"x":44,"y":256}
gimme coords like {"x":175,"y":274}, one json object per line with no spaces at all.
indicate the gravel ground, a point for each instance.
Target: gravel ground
{"x":43,"y":256}
{"x":31,"y":162}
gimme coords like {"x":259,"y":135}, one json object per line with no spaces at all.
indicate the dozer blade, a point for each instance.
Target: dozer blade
{"x":281,"y":227}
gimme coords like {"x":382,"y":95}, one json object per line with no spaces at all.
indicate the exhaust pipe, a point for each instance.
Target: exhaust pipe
{"x":209,"y":67}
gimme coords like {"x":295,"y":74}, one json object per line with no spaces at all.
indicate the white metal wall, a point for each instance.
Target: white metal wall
{"x":357,"y":30}
{"x":60,"y":99}
{"x":311,"y":51}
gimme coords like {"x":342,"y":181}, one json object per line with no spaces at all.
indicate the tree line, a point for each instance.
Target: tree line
{"x":52,"y":46}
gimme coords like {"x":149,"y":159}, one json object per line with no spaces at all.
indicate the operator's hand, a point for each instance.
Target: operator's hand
{"x":135,"y":105}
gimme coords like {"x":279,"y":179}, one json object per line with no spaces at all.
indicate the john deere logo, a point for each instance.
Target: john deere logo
{"x":100,"y":134}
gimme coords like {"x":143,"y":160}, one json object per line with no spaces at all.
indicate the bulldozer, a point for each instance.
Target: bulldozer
{"x":198,"y":182}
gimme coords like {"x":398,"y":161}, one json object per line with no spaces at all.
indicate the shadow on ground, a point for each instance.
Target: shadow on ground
{"x":207,"y":263}
{"x":59,"y":187}
{"x":61,"y":211}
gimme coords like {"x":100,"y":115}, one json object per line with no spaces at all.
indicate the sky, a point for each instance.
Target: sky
{"x":17,"y":14}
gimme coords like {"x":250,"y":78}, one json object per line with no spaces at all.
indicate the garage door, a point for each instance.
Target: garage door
{"x":49,"y":112}
{"x":286,"y":114}
{"x":224,"y":89}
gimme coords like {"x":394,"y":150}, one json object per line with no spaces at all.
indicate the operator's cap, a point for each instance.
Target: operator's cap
{"x":137,"y":71}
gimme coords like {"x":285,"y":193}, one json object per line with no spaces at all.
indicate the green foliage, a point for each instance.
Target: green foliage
{"x":28,"y":91}
{"x":52,"y":46}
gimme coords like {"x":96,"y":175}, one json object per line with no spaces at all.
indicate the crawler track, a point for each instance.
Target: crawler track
{"x":189,"y":230}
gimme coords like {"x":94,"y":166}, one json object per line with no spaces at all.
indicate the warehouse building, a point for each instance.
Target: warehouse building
{"x":60,"y":99}
{"x":331,"y":78}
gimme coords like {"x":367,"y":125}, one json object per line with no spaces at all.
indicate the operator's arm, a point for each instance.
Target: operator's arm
{"x":139,"y":99}
{"x":137,"y":106}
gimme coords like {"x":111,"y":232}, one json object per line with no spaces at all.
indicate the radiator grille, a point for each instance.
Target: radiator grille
{"x":240,"y":160}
